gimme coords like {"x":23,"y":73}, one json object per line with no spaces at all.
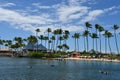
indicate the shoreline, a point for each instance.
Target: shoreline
{"x":92,"y":59}
{"x":73,"y":58}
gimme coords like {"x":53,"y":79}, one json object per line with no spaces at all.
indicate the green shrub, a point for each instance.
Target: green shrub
{"x":36,"y":54}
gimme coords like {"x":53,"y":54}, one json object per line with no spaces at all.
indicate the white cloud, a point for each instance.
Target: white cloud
{"x":73,"y":28}
{"x":15,"y":17}
{"x":38,"y":5}
{"x":55,"y":15}
{"x":71,"y":12}
{"x":7,"y":5}
{"x":92,"y":15}
{"x":109,"y":9}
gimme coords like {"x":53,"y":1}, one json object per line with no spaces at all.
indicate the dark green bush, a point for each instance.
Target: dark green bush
{"x":36,"y":54}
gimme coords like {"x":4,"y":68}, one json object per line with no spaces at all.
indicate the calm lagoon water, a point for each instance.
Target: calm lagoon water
{"x":37,"y":69}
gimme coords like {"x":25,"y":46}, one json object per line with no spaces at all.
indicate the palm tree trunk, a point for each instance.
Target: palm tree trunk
{"x":96,"y":42}
{"x":109,"y":46}
{"x":56,"y":43}
{"x":45,"y":43}
{"x":41,"y":41}
{"x":93,"y":43}
{"x":100,"y":41}
{"x":48,"y":42}
{"x":105,"y":45}
{"x":78,"y":45}
{"x":53,"y":45}
{"x":116,"y":42}
{"x":75,"y":44}
{"x":37,"y":41}
{"x":87,"y":43}
{"x":84,"y":44}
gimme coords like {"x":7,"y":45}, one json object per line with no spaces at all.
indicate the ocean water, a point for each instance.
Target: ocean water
{"x":37,"y":69}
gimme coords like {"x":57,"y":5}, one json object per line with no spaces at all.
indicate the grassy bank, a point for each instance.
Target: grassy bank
{"x":47,"y":55}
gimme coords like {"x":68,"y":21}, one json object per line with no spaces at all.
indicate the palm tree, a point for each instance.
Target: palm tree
{"x":60,"y":47}
{"x":65,"y":47}
{"x":66,"y":35}
{"x":19,"y":41}
{"x":9,"y":43}
{"x":76,"y":36}
{"x":85,"y":35}
{"x":93,"y":36}
{"x":49,"y":30}
{"x":41,"y":37}
{"x":60,"y":39}
{"x":96,"y":27}
{"x":59,"y":33}
{"x":116,"y":27}
{"x":50,"y":45}
{"x":53,"y":43}
{"x":88,"y":25}
{"x":37,"y":31}
{"x":109,"y":35}
{"x":3,"y":42}
{"x":100,"y":29}
{"x":55,"y":32}
{"x":45,"y":39}
{"x":32,"y":39}
{"x":105,"y":35}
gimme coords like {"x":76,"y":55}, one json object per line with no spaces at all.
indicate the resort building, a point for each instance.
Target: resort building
{"x":33,"y":47}
{"x":75,"y":54}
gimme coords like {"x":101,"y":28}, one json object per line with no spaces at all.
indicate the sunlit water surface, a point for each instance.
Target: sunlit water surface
{"x":37,"y":69}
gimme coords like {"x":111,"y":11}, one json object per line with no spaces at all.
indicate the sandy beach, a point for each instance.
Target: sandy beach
{"x":93,"y":59}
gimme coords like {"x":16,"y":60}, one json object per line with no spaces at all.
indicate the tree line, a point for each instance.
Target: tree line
{"x":57,"y":40}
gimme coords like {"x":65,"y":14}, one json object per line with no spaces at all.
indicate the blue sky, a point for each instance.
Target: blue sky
{"x":22,"y":17}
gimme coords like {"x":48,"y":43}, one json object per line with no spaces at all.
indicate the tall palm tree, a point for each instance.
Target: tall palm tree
{"x":19,"y":41}
{"x":84,"y":37}
{"x":96,"y":27}
{"x":48,"y":31}
{"x":93,"y":36}
{"x":45,"y":39}
{"x":105,"y":35}
{"x":116,"y":27}
{"x":41,"y":37}
{"x":32,"y":39}
{"x":3,"y":42}
{"x":53,"y":42}
{"x":65,"y":47}
{"x":100,"y":29}
{"x":9,"y":43}
{"x":37,"y":31}
{"x":55,"y":33}
{"x":76,"y":36}
{"x":88,"y":25}
{"x":66,"y":35}
{"x":60,"y":39}
{"x":85,"y":34}
{"x":109,"y":35}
